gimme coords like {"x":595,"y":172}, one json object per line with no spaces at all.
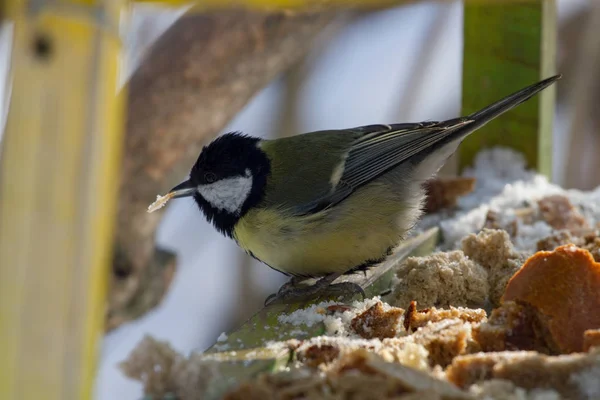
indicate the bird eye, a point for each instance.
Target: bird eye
{"x":209,"y":177}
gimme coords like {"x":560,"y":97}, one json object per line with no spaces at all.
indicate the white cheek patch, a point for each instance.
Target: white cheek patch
{"x":228,"y":194}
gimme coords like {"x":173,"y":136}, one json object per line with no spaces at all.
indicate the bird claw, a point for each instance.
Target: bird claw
{"x":288,"y":292}
{"x":346,"y":288}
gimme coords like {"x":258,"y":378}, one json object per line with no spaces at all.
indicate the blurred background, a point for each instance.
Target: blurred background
{"x":395,"y":64}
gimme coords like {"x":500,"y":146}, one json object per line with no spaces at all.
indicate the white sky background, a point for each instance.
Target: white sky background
{"x":360,"y":79}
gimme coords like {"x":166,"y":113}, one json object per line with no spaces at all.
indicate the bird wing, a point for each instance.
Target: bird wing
{"x":378,"y":149}
{"x":375,"y":149}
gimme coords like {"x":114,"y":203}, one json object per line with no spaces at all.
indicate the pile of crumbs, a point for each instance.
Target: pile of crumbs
{"x":336,"y":318}
{"x":510,"y":197}
{"x":508,"y":307}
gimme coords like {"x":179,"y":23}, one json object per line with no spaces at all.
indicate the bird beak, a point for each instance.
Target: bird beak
{"x":184,"y":189}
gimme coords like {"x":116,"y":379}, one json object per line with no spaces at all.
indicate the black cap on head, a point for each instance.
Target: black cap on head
{"x":230,"y":156}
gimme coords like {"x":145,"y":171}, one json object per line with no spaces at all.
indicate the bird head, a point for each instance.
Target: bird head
{"x":227,"y":179}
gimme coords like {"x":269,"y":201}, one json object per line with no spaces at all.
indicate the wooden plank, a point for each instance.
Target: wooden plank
{"x":203,"y":5}
{"x":507,"y":47}
{"x":263,"y":326}
{"x":58,"y":192}
{"x":243,"y":354}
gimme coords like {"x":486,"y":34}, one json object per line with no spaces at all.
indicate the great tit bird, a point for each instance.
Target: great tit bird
{"x":326,"y":203}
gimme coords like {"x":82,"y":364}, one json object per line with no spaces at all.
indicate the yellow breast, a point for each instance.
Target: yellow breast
{"x":333,"y":241}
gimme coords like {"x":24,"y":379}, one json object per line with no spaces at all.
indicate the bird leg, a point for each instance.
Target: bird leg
{"x":294,"y":280}
{"x":324,"y":285}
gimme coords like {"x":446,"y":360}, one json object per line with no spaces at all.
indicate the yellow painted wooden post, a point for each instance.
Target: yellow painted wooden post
{"x":58,"y":188}
{"x":509,"y":45}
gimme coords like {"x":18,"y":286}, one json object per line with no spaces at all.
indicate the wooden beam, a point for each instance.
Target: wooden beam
{"x":59,"y":167}
{"x":507,"y":47}
{"x":259,"y":329}
{"x":199,"y":6}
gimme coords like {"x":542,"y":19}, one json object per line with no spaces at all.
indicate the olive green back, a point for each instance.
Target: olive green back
{"x":302,"y":165}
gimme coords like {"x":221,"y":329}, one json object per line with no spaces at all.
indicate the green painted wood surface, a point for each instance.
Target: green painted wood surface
{"x":264,"y":326}
{"x":508,"y":46}
{"x":245,"y":352}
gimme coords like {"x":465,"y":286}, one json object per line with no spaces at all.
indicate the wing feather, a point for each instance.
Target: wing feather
{"x":381,"y":148}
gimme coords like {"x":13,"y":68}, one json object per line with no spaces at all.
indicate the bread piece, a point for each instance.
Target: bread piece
{"x":444,"y":192}
{"x":316,"y":355}
{"x":558,"y":239}
{"x":493,"y":250}
{"x":514,"y":326}
{"x":591,"y":338}
{"x":416,"y":319}
{"x":592,"y":244}
{"x":559,"y":213}
{"x":445,"y":340}
{"x":405,"y":379}
{"x":583,"y":239}
{"x":322,"y":351}
{"x":440,"y":280}
{"x":164,"y":371}
{"x":573,"y":376}
{"x":466,"y":370}
{"x":375,"y":322}
{"x":356,"y":375}
{"x":564,"y":287}
{"x":494,"y":222}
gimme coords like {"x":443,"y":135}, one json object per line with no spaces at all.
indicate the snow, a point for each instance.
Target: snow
{"x":222,"y":337}
{"x":588,"y":382}
{"x":336,"y":323}
{"x":504,"y":185}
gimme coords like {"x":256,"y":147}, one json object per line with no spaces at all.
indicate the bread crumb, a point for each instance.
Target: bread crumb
{"x":466,"y":370}
{"x":558,"y":239}
{"x":573,"y":376}
{"x":416,"y":319}
{"x":160,"y":202}
{"x":493,"y":221}
{"x":377,"y":323}
{"x":411,"y":354}
{"x":515,"y":326}
{"x":358,"y":374}
{"x":164,"y":372}
{"x":499,"y":389}
{"x":592,"y":244}
{"x":442,"y":193}
{"x":441,"y":280}
{"x":318,"y":354}
{"x":586,"y":239}
{"x":493,"y":250}
{"x":591,"y":338}
{"x":412,"y":309}
{"x":558,"y":212}
{"x":444,"y":340}
{"x":399,"y":350}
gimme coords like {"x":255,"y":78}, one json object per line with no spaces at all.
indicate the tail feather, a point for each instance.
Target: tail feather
{"x":492,"y":111}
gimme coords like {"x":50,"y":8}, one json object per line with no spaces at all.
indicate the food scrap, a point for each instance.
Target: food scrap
{"x":564,"y":286}
{"x":160,"y":202}
{"x":377,"y":323}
